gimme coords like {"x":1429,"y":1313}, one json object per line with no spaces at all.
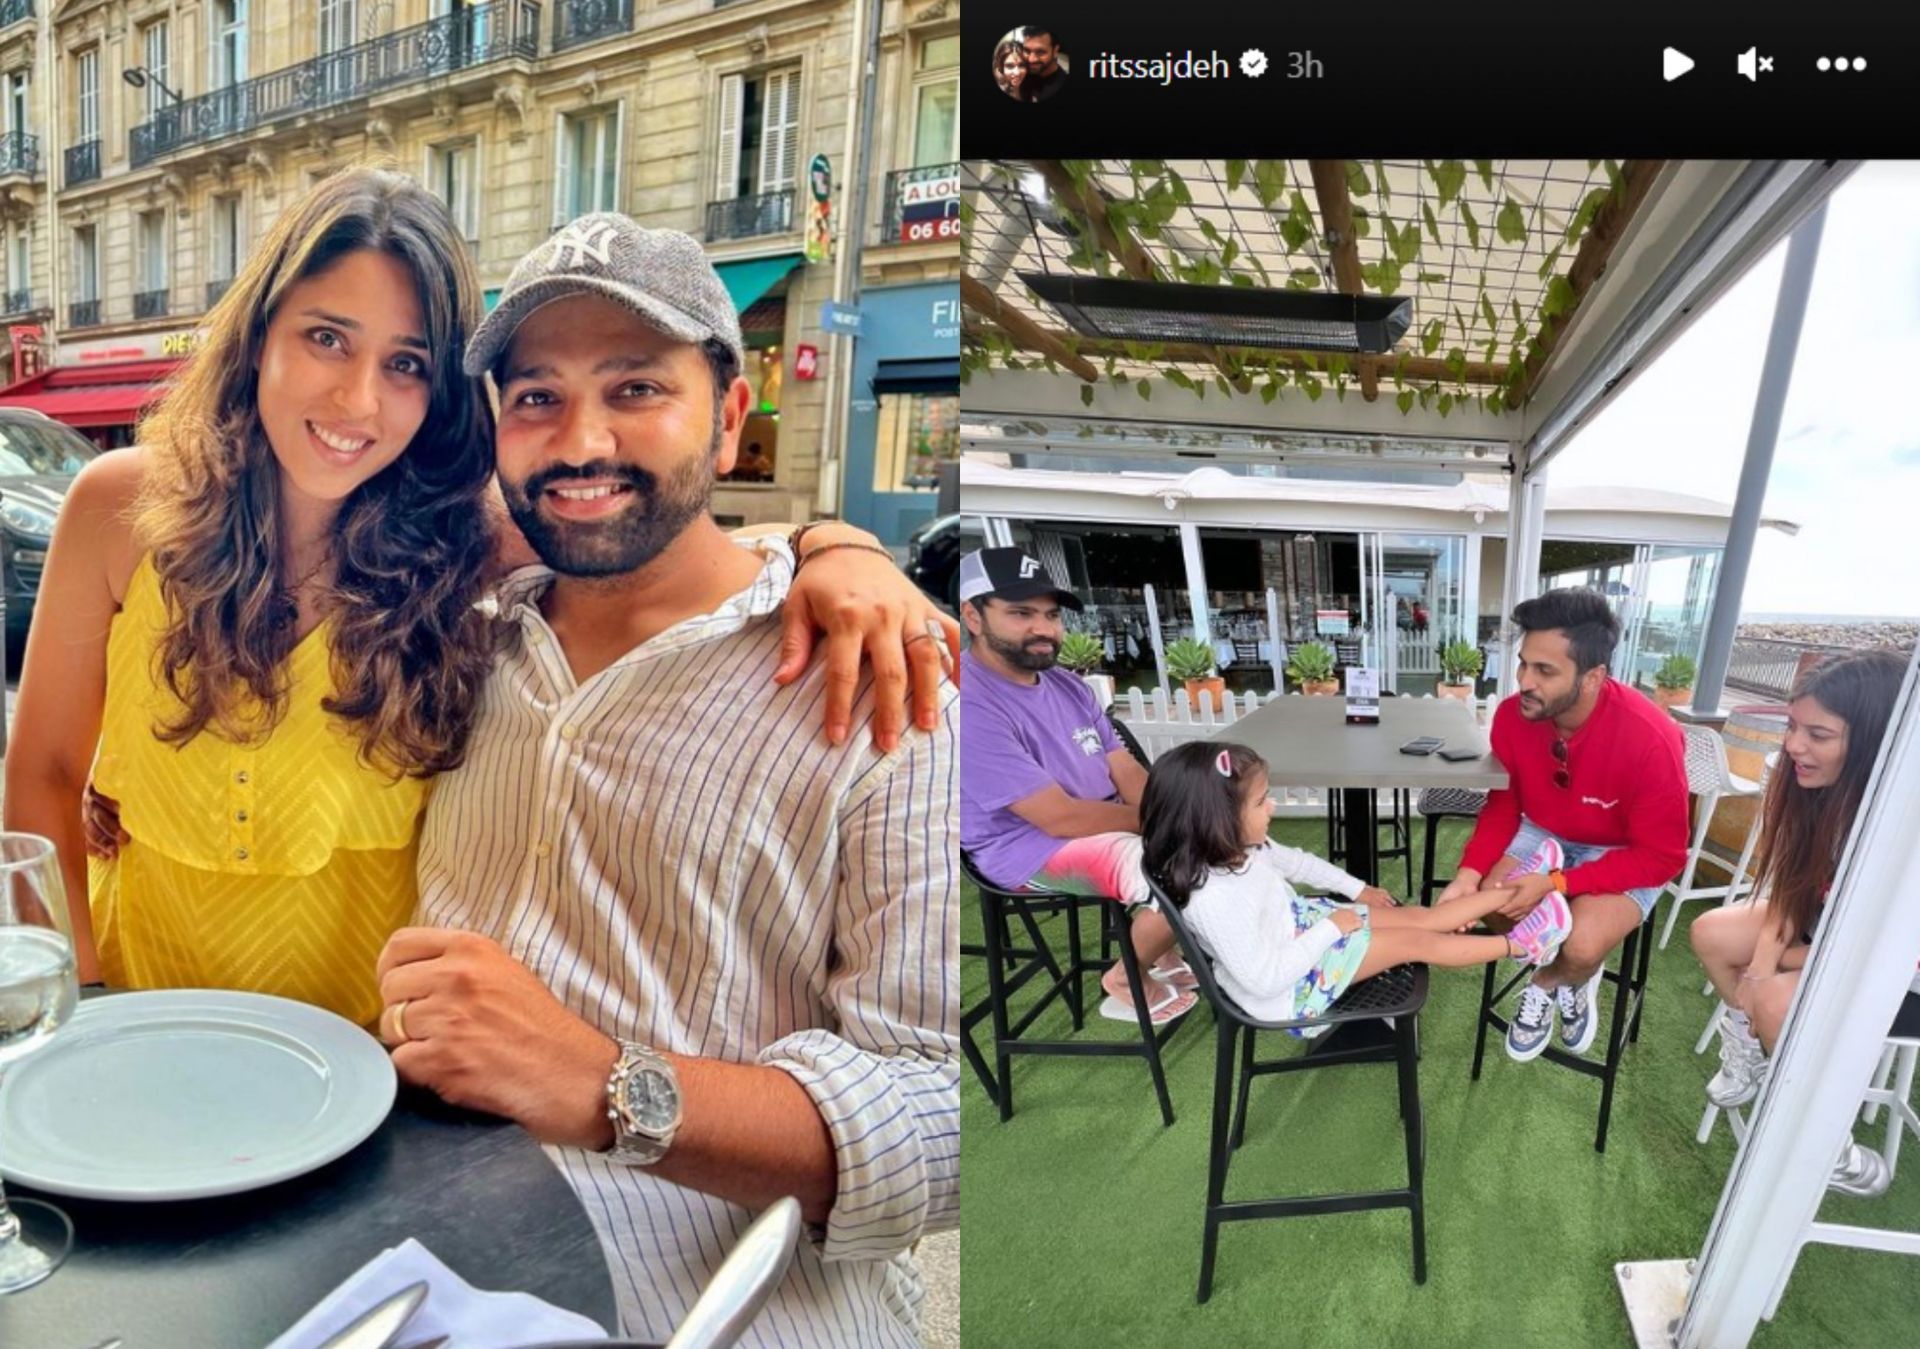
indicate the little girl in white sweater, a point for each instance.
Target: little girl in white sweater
{"x":1203,"y":822}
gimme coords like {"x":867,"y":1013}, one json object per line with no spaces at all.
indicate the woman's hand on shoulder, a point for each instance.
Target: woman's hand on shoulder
{"x":862,"y":602}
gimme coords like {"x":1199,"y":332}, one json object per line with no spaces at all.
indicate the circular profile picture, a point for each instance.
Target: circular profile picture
{"x":1029,"y":64}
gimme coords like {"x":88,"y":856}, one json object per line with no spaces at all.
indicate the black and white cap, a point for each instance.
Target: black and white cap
{"x":1009,"y":574}
{"x":661,"y":275}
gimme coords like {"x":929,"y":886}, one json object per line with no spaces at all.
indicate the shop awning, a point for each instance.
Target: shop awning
{"x":748,"y":280}
{"x":940,"y":374}
{"x":99,"y":395}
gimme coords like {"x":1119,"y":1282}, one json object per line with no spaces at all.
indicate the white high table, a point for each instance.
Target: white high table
{"x":1307,"y":742}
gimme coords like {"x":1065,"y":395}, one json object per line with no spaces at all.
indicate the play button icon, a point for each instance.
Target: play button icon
{"x":1675,"y":63}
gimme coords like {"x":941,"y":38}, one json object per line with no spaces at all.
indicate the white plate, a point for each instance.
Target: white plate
{"x":185,"y":1093}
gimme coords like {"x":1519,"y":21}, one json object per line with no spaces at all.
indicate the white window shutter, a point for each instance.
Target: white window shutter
{"x":727,"y":176}
{"x":780,"y":131}
{"x":563,"y":169}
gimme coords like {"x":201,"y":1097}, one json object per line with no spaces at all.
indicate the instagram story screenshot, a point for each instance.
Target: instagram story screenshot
{"x":1440,"y":747}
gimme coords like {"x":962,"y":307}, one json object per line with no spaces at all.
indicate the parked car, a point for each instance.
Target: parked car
{"x":38,"y":460}
{"x":933,"y":555}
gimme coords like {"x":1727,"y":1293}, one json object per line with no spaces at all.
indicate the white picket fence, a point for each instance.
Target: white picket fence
{"x":1160,"y":720}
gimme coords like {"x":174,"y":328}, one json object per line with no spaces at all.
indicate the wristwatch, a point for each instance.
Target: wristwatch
{"x":643,"y":1101}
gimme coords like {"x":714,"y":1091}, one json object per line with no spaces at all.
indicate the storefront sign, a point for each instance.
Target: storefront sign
{"x":946,"y":319}
{"x":29,"y":350}
{"x":820,"y":175}
{"x":839,"y":318}
{"x":806,"y":361}
{"x":1331,"y":622}
{"x":136,"y":347}
{"x":929,"y":205}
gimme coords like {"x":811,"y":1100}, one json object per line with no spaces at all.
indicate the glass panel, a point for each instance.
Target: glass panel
{"x":1679,"y":595}
{"x":1421,"y":579}
{"x":916,"y":432}
{"x":1606,"y":567}
{"x":1109,"y":567}
{"x":940,"y":52}
{"x":1315,"y":580}
{"x":936,"y":127}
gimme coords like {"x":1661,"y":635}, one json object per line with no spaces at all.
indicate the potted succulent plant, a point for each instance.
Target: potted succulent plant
{"x":1673,"y":681}
{"x":1082,"y":653}
{"x":1190,"y":660}
{"x":1460,"y":663}
{"x":1310,"y":665}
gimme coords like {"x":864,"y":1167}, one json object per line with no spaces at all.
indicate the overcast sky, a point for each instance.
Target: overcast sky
{"x":1848,"y":465}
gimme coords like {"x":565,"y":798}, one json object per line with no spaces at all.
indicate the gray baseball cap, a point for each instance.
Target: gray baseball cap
{"x":661,"y":275}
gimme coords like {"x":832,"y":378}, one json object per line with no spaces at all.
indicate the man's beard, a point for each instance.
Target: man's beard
{"x":1544,"y":710}
{"x":623,"y":543}
{"x":1020,"y":656}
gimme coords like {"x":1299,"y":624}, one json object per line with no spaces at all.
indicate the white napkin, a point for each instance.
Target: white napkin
{"x":454,"y":1307}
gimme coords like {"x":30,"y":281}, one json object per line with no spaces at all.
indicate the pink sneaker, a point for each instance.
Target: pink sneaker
{"x":1542,"y":931}
{"x":1547,"y":857}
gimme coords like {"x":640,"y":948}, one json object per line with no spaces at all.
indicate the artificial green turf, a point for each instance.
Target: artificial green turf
{"x":1082,"y":1215}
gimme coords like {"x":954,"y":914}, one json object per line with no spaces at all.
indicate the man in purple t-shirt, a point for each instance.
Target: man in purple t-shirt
{"x":1048,"y":794}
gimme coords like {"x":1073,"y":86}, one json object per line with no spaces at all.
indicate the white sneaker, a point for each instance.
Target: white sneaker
{"x":1743,"y":1066}
{"x":1860,"y":1172}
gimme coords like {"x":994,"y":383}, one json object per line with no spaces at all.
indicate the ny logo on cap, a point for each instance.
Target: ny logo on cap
{"x":582,"y":240}
{"x":1029,"y":566}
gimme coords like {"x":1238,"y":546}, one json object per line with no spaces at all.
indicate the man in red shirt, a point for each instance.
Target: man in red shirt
{"x":1597,"y":804}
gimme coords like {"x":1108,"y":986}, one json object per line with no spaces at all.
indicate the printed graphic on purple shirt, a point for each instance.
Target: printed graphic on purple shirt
{"x":1018,"y":739}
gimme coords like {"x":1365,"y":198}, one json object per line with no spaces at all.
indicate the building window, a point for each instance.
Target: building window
{"x":17,"y":100}
{"x":589,"y":153}
{"x":227,"y":23}
{"x":87,"y":89}
{"x":336,"y":25}
{"x":153,"y":251}
{"x":759,"y":134}
{"x":227,"y":238}
{"x":19,"y":266}
{"x":86,"y":264}
{"x":450,"y":176}
{"x":156,"y":45}
{"x":916,"y":432}
{"x":936,"y":111}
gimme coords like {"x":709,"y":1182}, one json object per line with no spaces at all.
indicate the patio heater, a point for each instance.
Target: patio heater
{"x":1234,"y":316}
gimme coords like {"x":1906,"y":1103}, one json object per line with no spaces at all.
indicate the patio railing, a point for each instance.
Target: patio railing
{"x":456,"y":41}
{"x":149,"y":304}
{"x":83,"y":314}
{"x":16,"y":302}
{"x":216,"y":289}
{"x":580,"y":21}
{"x":12,"y":11}
{"x":83,"y":162}
{"x":1768,"y":666}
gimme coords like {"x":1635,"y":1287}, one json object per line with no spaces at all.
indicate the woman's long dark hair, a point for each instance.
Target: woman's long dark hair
{"x":1806,"y":827}
{"x":999,"y":63}
{"x":410,"y":651}
{"x":1190,"y":814}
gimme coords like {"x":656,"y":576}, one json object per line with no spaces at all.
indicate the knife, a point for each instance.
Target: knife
{"x":377,"y":1328}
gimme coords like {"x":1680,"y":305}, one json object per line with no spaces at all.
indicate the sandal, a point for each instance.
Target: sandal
{"x":1178,"y":975}
{"x":1171,"y":1005}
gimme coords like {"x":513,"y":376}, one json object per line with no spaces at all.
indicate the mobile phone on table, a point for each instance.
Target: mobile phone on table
{"x":1459,"y":755}
{"x":1426,"y":744}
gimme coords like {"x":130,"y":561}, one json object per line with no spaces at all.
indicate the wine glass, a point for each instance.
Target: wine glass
{"x":37,"y":994}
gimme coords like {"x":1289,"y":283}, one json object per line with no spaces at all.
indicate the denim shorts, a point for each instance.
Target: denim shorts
{"x":1530,"y":836}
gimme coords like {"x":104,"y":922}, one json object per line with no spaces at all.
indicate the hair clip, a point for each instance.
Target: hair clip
{"x":1223,"y":762}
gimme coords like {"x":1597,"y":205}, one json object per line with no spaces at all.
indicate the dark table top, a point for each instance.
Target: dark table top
{"x":236,"y":1271}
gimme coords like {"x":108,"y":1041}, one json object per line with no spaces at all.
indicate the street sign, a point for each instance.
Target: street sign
{"x":839,"y":318}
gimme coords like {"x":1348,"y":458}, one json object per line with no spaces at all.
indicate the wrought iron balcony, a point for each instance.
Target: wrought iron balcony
{"x":20,"y":153}
{"x":13,"y":11}
{"x":747,"y":217}
{"x":923,"y":205}
{"x":17,"y":301}
{"x":457,"y":41}
{"x":83,"y":162}
{"x":216,"y":290}
{"x":581,"y":21}
{"x":149,"y":304}
{"x":83,"y":314}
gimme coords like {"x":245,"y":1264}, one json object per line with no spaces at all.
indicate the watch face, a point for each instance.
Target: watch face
{"x":652,"y":1100}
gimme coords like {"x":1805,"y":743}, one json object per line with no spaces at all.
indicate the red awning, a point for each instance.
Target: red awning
{"x":99,"y":395}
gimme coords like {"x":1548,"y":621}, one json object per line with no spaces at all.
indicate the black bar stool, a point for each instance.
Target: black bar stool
{"x":1443,"y":803}
{"x":1009,"y":972}
{"x":1398,"y":993}
{"x":1629,"y":979}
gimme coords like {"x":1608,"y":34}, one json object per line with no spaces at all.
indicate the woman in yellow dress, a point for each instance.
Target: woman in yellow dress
{"x":260,"y":630}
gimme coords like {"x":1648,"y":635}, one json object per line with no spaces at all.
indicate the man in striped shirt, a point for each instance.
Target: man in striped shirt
{"x":653,"y":882}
